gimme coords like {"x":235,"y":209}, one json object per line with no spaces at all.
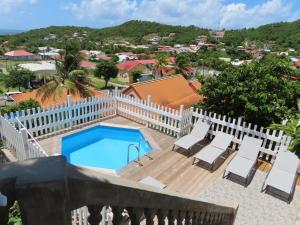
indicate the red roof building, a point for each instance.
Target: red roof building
{"x":128,"y":65}
{"x":126,"y":53}
{"x":165,"y":91}
{"x":19,"y":55}
{"x":88,"y":65}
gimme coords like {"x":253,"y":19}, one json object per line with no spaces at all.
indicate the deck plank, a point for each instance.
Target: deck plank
{"x":173,"y":168}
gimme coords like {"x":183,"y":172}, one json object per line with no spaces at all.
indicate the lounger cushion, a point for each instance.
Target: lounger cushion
{"x":250,"y":148}
{"x":287,"y":162}
{"x":240,"y":166}
{"x":200,"y":129}
{"x":152,"y":182}
{"x":209,"y":154}
{"x":222,"y":140}
{"x":187,"y":141}
{"x":281,"y":180}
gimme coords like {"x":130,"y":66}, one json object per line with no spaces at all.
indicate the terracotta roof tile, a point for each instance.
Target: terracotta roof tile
{"x":18,"y":53}
{"x":51,"y":101}
{"x":87,"y":64}
{"x":172,"y":91}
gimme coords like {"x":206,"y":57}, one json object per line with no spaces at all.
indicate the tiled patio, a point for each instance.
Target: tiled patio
{"x":255,"y":208}
{"x":175,"y":170}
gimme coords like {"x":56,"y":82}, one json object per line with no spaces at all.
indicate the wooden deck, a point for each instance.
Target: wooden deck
{"x":173,"y":168}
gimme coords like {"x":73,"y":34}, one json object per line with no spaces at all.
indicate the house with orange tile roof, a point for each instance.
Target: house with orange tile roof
{"x":172,"y":91}
{"x":20,"y":55}
{"x":51,"y":101}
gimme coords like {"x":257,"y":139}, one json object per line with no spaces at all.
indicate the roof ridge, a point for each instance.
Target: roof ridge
{"x":155,"y":80}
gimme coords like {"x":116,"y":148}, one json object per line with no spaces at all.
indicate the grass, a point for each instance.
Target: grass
{"x":100,"y":83}
{"x":8,"y":63}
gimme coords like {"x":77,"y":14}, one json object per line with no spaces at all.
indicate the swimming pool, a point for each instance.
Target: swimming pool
{"x":104,"y":147}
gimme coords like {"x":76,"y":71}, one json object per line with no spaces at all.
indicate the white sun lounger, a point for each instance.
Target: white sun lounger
{"x":152,"y":182}
{"x":3,"y":200}
{"x":246,"y":158}
{"x":198,"y":133}
{"x":283,"y":173}
{"x":215,"y":149}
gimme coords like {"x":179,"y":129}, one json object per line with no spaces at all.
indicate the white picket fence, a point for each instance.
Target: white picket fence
{"x":19,"y":141}
{"x":44,"y":121}
{"x":273,"y":140}
{"x":162,"y":118}
{"x":20,"y":129}
{"x":173,"y":122}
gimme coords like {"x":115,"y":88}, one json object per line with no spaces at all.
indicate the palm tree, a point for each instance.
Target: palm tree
{"x":292,"y":128}
{"x":182,"y":64}
{"x":68,"y":76}
{"x":161,"y":63}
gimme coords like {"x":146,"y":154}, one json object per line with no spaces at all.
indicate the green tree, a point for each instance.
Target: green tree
{"x":18,"y":77}
{"x":182,"y":63}
{"x":292,"y":128}
{"x":257,"y":92}
{"x":161,"y":63}
{"x":14,"y":217}
{"x":136,"y":74}
{"x":29,"y":104}
{"x":69,"y":76}
{"x":106,"y":70}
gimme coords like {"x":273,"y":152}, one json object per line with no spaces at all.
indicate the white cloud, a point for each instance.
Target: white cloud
{"x":203,"y":13}
{"x":104,"y":9}
{"x":7,"y":6}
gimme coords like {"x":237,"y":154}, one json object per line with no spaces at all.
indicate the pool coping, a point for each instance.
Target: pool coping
{"x":142,"y":129}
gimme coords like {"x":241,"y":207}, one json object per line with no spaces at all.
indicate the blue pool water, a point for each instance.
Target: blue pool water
{"x":103,"y":147}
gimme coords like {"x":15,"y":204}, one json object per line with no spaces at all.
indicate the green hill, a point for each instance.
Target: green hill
{"x":136,"y":31}
{"x":132,"y":31}
{"x":280,"y":35}
{"x":277,"y":35}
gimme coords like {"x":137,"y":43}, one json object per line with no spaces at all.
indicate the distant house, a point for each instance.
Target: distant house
{"x":202,"y":40}
{"x":87,"y":64}
{"x":123,"y":56}
{"x":44,"y":67}
{"x":126,"y":68}
{"x":217,"y":34}
{"x":297,"y":64}
{"x":51,"y":100}
{"x":20,"y":55}
{"x":172,"y":91}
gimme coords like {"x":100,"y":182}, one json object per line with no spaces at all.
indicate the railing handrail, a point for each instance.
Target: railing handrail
{"x":30,"y":135}
{"x":78,"y":187}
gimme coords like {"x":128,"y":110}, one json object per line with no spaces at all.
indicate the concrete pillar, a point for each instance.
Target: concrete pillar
{"x":25,"y":154}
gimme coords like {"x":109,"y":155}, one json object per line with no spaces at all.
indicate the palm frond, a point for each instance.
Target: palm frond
{"x":83,"y":90}
{"x":47,"y":90}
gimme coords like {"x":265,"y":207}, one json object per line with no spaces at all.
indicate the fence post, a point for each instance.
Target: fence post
{"x":190,"y":120}
{"x":115,"y":95}
{"x":181,"y":120}
{"x":25,"y":143}
{"x":148,"y":111}
{"x":69,"y":97}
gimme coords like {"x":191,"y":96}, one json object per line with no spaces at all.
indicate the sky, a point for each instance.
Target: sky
{"x":228,"y":14}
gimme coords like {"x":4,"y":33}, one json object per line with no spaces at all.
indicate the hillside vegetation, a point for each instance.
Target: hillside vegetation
{"x":277,"y":35}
